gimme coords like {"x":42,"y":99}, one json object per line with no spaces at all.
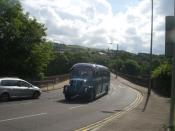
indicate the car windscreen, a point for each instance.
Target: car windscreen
{"x":81,"y":72}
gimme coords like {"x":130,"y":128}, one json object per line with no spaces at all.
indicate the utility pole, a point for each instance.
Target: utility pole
{"x":150,"y":81}
{"x":117,"y":49}
{"x":116,"y":73}
{"x":150,"y":66}
{"x":109,"y":49}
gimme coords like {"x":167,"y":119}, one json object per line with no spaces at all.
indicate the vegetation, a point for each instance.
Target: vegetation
{"x":124,"y":62}
{"x":66,"y":56}
{"x":24,"y":51}
{"x":162,"y":72}
{"x":162,"y":79}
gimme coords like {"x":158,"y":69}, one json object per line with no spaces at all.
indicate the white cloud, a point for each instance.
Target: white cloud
{"x":92,"y":23}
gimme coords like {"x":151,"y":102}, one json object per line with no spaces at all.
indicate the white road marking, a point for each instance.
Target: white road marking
{"x":22,"y":117}
{"x":75,"y":107}
{"x":114,"y":90}
{"x":120,"y":86}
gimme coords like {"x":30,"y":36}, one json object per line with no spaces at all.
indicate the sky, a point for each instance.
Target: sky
{"x":97,"y":23}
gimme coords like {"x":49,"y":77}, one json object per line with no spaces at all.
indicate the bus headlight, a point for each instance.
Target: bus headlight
{"x":85,"y":90}
{"x":90,"y":86}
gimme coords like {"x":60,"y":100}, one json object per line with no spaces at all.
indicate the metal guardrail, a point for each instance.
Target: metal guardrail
{"x":135,"y":79}
{"x":58,"y":78}
{"x":50,"y":81}
{"x":43,"y":83}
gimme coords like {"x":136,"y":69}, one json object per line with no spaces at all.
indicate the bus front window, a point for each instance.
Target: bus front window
{"x":82,"y":72}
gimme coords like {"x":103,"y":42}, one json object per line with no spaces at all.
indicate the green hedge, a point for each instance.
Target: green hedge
{"x":162,"y":79}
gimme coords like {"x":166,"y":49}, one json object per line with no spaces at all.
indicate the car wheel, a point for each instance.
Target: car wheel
{"x":36,"y":94}
{"x":5,"y":97}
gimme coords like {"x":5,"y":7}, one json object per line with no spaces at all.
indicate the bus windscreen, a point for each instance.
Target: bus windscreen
{"x":81,"y":72}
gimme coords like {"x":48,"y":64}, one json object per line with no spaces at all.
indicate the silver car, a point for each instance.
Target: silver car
{"x":15,"y":87}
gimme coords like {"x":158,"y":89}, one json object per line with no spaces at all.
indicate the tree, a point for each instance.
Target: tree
{"x":130,"y":67}
{"x":24,"y":50}
{"x":59,"y":65}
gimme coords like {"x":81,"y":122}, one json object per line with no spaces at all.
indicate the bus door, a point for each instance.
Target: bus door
{"x":104,"y":82}
{"x":99,"y":82}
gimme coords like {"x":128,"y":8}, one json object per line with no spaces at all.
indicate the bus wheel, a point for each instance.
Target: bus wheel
{"x":107,"y":89}
{"x":67,"y":98}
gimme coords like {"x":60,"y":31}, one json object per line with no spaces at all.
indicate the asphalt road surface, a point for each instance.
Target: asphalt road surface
{"x":52,"y":113}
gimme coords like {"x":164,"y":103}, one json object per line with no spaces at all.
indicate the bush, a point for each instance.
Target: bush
{"x":162,"y":72}
{"x":162,"y":79}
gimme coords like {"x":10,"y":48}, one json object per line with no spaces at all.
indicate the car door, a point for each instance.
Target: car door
{"x":26,"y":89}
{"x":11,"y":87}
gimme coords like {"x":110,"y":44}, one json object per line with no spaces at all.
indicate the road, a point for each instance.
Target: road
{"x":51,"y":112}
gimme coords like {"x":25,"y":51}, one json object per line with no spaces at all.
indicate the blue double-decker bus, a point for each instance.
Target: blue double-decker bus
{"x":87,"y":80}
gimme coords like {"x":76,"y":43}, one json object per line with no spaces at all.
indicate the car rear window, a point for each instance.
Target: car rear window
{"x":8,"y":83}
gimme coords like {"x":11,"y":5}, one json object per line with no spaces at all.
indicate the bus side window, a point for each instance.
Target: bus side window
{"x":96,"y":73}
{"x":105,"y":76}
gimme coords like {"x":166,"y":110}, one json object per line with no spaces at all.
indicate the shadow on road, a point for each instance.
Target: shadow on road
{"x":76,"y":101}
{"x":110,"y":112}
{"x":17,"y":99}
{"x":146,"y":102}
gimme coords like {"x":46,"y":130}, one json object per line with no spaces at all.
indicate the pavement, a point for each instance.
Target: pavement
{"x":154,"y":118}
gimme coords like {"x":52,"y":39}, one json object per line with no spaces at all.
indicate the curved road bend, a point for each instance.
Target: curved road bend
{"x":51,"y":112}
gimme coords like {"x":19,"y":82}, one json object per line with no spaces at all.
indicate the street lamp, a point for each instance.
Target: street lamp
{"x":151,"y":45}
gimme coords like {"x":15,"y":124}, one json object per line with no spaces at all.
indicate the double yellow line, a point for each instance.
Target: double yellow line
{"x":117,"y":115}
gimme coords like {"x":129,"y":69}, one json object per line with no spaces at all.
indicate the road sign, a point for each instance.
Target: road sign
{"x":169,"y":35}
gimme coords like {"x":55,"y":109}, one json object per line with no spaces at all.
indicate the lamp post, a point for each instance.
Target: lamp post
{"x":150,"y":81}
{"x":150,"y":66}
